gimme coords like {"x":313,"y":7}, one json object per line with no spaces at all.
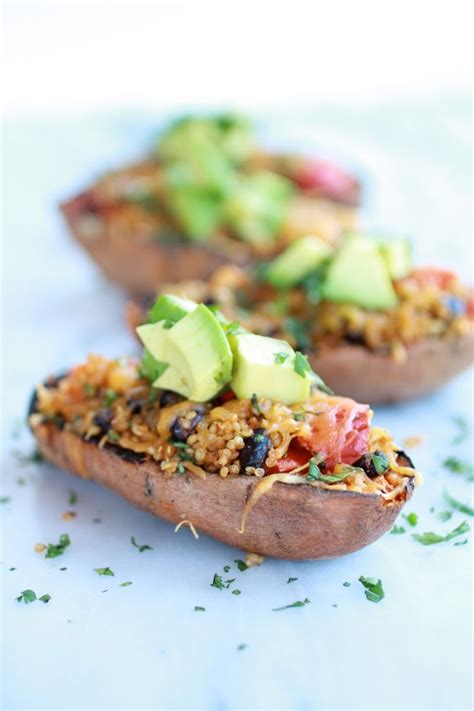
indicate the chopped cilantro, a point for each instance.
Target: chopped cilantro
{"x":298,"y":603}
{"x":110,"y":396}
{"x":54,"y":550}
{"x":5,"y":499}
{"x":241,"y":565}
{"x":347,"y":584}
{"x":104,"y":571}
{"x":255,"y":405}
{"x":226,"y":568}
{"x":398,"y":529}
{"x":241,"y":647}
{"x":198,"y":608}
{"x":217,"y":582}
{"x":298,"y":331}
{"x":281,"y":357}
{"x":11,"y":569}
{"x":462,"y":429}
{"x":315,"y":474}
{"x":299,"y":416}
{"x":461,"y":543}
{"x":89,"y":390}
{"x":45,"y":598}
{"x":236,"y":592}
{"x":411,"y":519}
{"x":291,"y":580}
{"x":457,"y":466}
{"x":233,"y":328}
{"x":113,"y":436}
{"x":141,"y":548}
{"x":380,"y":462}
{"x":301,"y":364}
{"x":373,"y":588}
{"x":72,"y":498}
{"x":35,"y":457}
{"x":26,"y":596}
{"x":181,"y":468}
{"x":445,"y":515}
{"x":458,"y":505}
{"x":126,"y":584}
{"x":429,"y":538}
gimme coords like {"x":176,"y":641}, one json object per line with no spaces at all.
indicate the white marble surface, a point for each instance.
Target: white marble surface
{"x":143,"y":646}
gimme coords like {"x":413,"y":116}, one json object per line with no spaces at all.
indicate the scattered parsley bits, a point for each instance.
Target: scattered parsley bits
{"x":236,"y":592}
{"x":347,"y":584}
{"x":301,"y":364}
{"x":89,"y":390}
{"x":5,"y":499}
{"x":281,"y":357}
{"x":291,"y":580}
{"x":255,"y":405}
{"x":299,"y":416}
{"x":380,"y":462}
{"x":110,"y":396}
{"x":429,"y":538}
{"x":104,"y":571}
{"x":315,"y":474}
{"x":126,"y":584}
{"x":241,"y":565}
{"x":217,"y":582}
{"x":113,"y":436}
{"x":141,"y":548}
{"x":411,"y":519}
{"x":241,"y":647}
{"x":461,"y":543}
{"x":226,"y":568}
{"x":397,"y":529}
{"x":233,"y":328}
{"x":462,"y":429}
{"x":11,"y":569}
{"x":457,"y":466}
{"x":26,"y":596}
{"x":72,"y":500}
{"x":298,"y":603}
{"x":373,"y":588}
{"x":458,"y":505}
{"x":444,"y":515}
{"x":198,"y":608}
{"x":45,"y":598}
{"x":34,"y":458}
{"x":55,"y":550}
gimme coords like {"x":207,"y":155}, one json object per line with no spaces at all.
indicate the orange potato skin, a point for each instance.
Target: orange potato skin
{"x":289,"y":521}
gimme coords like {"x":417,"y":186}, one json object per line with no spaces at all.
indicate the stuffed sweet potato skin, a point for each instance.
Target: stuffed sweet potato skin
{"x":370,"y":377}
{"x":288,"y":521}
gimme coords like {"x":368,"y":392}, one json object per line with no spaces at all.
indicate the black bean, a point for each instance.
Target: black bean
{"x":182,"y":428}
{"x":366,"y":462}
{"x":403,"y":459}
{"x":168,"y":397}
{"x":355,"y":339}
{"x":103,"y":418}
{"x":255,"y":450}
{"x":135,"y":405}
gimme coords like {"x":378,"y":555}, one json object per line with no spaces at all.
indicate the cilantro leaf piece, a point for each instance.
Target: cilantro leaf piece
{"x":298,"y":603}
{"x":315,"y":474}
{"x":301,"y":364}
{"x":126,"y":584}
{"x":241,"y":565}
{"x":411,"y":518}
{"x":291,"y":580}
{"x":26,"y":596}
{"x":398,"y":529}
{"x":141,"y":548}
{"x":347,"y":584}
{"x":89,"y":390}
{"x":281,"y":357}
{"x":461,"y":543}
{"x":255,"y":405}
{"x":458,"y":505}
{"x":380,"y":462}
{"x":241,"y":647}
{"x":373,"y":589}
{"x":463,"y":429}
{"x":198,"y":608}
{"x":429,"y":538}
{"x":233,"y":328}
{"x":113,"y":436}
{"x":104,"y":571}
{"x":217,"y":582}
{"x":54,"y":550}
{"x":458,"y":466}
{"x":299,"y":416}
{"x":236,"y":592}
{"x":445,"y":515}
{"x":45,"y":598}
{"x":110,"y":396}
{"x":72,"y":500}
{"x":5,"y":499}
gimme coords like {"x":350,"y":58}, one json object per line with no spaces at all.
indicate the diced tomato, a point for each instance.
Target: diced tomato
{"x":327,"y":179}
{"x":228,"y":395}
{"x":295,"y":457}
{"x":427,"y":276}
{"x":340,"y":433}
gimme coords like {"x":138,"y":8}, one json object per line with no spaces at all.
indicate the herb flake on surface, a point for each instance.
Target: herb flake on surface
{"x":241,"y":565}
{"x":198,"y":608}
{"x":373,"y":588}
{"x":301,"y":364}
{"x":444,"y":516}
{"x":347,"y":584}
{"x":141,"y":548}
{"x":104,"y":571}
{"x":5,"y":499}
{"x":298,"y":603}
{"x":72,"y":500}
{"x":458,"y":505}
{"x":429,"y":538}
{"x":55,"y":550}
{"x":26,"y":596}
{"x":397,"y":529}
{"x":241,"y":647}
{"x":458,"y":466}
{"x":45,"y":598}
{"x":463,"y":429}
{"x":411,"y":519}
{"x":281,"y":357}
{"x":126,"y":584}
{"x":291,"y":580}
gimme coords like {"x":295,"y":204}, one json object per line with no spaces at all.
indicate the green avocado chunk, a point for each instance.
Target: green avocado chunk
{"x":265,"y":367}
{"x":397,"y":254}
{"x":359,"y":275}
{"x":297,"y":261}
{"x":172,"y":308}
{"x":197,"y":353}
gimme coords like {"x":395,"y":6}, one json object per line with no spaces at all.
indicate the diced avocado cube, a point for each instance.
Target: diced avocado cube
{"x":397,"y":254}
{"x":359,"y":275}
{"x":266,"y":367}
{"x":196,"y":211}
{"x":171,"y":308}
{"x":298,"y":260}
{"x":256,"y":207}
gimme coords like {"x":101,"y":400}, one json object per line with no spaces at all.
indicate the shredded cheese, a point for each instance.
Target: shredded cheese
{"x":191,"y":526}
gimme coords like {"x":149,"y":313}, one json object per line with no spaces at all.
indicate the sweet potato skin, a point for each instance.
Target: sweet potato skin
{"x":370,"y":377}
{"x":289,"y":521}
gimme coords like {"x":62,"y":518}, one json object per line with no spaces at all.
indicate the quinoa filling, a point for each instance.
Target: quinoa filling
{"x":325,"y":442}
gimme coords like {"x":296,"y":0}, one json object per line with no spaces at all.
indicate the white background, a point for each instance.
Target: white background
{"x":382,"y":86}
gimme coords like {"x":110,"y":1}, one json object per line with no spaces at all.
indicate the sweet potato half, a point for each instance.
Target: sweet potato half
{"x":288,"y":521}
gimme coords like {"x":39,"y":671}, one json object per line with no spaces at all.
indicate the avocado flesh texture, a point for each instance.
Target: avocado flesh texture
{"x":256,"y":371}
{"x":168,"y":307}
{"x":398,"y":257}
{"x":359,"y":275}
{"x":197,"y":352}
{"x":297,"y":261}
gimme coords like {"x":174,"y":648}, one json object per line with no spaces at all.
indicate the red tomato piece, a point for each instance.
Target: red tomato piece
{"x":427,"y":276}
{"x":328,"y":179}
